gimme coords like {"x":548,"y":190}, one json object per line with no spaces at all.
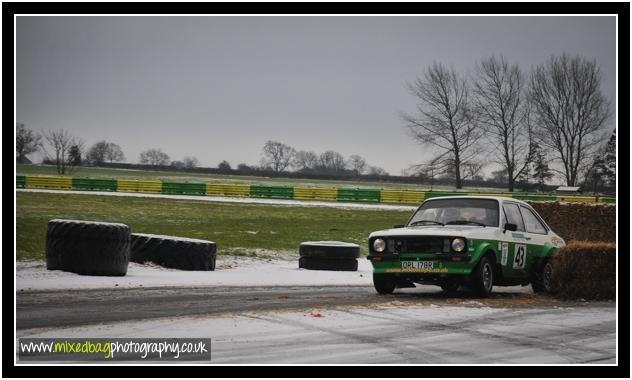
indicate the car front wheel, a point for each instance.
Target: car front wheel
{"x":384,"y":283}
{"x":483,"y":277}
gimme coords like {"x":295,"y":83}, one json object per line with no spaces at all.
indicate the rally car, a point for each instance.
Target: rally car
{"x":474,"y":241}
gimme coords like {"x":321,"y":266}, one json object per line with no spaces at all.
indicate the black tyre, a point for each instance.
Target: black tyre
{"x":450,"y":287}
{"x":542,"y":279}
{"x":384,"y":283}
{"x":483,"y":277}
{"x":174,"y":252}
{"x":329,"y":250}
{"x":350,"y":265}
{"x":86,"y":247}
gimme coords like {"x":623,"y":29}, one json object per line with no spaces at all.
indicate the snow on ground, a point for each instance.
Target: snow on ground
{"x":278,"y":202}
{"x":387,"y":334}
{"x":230,"y":271}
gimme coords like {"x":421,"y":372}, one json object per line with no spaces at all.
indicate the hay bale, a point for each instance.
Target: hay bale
{"x":579,"y":221}
{"x":585,"y":270}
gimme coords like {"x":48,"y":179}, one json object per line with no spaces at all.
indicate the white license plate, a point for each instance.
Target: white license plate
{"x":417,"y":265}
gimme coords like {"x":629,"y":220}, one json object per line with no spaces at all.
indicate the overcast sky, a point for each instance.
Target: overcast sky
{"x":218,"y":87}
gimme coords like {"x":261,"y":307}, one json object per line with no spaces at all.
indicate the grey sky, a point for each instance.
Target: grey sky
{"x":218,"y":87}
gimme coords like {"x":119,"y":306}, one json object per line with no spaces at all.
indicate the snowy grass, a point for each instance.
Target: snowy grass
{"x":238,"y":229}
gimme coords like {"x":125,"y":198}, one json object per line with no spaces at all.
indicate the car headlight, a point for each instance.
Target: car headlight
{"x":458,"y":245}
{"x":379,"y":245}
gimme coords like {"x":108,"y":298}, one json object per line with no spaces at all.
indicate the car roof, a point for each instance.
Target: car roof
{"x":498,"y":198}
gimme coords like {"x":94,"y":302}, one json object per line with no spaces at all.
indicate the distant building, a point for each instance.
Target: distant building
{"x":568,"y":190}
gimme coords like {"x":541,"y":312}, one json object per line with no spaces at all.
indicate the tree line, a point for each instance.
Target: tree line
{"x":279,"y":157}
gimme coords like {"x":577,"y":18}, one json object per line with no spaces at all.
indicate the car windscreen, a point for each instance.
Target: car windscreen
{"x":457,"y":211}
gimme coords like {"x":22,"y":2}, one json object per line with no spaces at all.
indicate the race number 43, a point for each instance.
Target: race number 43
{"x":520,"y":256}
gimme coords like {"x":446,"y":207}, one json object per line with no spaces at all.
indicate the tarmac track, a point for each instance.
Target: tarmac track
{"x":277,"y":325}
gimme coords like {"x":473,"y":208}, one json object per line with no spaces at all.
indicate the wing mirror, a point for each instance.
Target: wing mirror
{"x":510,"y":227}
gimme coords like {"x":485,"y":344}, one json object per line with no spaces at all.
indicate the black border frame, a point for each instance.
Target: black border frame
{"x":583,"y":371}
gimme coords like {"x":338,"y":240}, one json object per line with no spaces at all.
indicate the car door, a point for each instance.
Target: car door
{"x":536,"y":234}
{"x":515,"y":259}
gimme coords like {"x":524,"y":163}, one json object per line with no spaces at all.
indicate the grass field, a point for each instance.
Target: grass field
{"x":238,"y":229}
{"x":93,"y":172}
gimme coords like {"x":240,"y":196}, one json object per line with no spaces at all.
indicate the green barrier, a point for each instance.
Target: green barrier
{"x":434,"y":194}
{"x":609,"y":199}
{"x":184,"y":188}
{"x":20,"y":181}
{"x":282,"y":192}
{"x":358,"y":195}
{"x":94,"y":184}
{"x":534,"y":197}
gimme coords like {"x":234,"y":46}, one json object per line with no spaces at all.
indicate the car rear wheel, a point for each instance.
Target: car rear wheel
{"x":383,"y":283}
{"x":483,"y":277}
{"x":542,"y":282}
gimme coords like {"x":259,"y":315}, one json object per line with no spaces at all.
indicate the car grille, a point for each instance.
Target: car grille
{"x":417,"y":245}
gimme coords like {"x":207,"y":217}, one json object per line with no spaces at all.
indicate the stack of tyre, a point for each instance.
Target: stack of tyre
{"x":329,"y":255}
{"x":105,"y":249}
{"x":90,"y":248}
{"x":173,"y":252}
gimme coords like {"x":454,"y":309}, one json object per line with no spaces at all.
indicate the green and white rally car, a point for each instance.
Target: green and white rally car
{"x":475,"y":241}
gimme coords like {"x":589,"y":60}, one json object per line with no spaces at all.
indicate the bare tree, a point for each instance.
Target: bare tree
{"x":428,"y":171}
{"x":96,"y":153}
{"x":277,"y":156}
{"x":376,"y":171}
{"x":224,"y":166}
{"x":26,"y":142}
{"x":571,"y":111}
{"x":472,"y":170}
{"x":357,"y":164}
{"x":63,"y":143}
{"x":190,"y":162}
{"x":105,"y":151}
{"x":502,"y":110}
{"x":154,"y":157}
{"x":331,"y":161}
{"x":114,"y":153}
{"x":304,"y":160}
{"x":444,"y":119}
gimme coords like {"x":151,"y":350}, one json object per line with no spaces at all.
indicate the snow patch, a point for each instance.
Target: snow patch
{"x":230,"y":271}
{"x":178,"y":238}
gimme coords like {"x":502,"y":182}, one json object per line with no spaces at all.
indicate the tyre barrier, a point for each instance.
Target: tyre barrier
{"x":174,"y":252}
{"x":87,"y":247}
{"x":329,"y":255}
{"x":350,"y":265}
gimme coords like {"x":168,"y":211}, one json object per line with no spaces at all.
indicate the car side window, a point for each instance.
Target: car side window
{"x":512,"y":214}
{"x":532,"y":224}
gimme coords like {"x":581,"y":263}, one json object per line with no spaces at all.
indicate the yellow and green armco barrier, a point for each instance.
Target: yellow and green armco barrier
{"x":277,"y":192}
